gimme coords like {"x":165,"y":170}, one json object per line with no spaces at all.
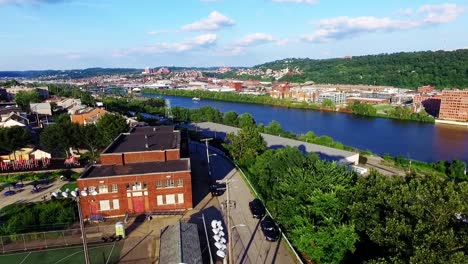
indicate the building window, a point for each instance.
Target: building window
{"x":128,"y":187}
{"x":145,"y":186}
{"x":158,"y":184}
{"x":137,"y":186}
{"x":170,"y":199}
{"x":180,"y":198}
{"x":103,"y":188}
{"x":159,"y":199}
{"x":180,"y":182}
{"x":91,"y":189}
{"x":169,"y":183}
{"x":114,"y":188}
{"x":104,"y":205}
{"x":115,"y":204}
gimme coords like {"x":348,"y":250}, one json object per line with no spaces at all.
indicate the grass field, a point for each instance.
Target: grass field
{"x":100,"y":254}
{"x":382,"y":107}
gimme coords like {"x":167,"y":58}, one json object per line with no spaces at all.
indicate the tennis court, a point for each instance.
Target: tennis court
{"x":99,"y":254}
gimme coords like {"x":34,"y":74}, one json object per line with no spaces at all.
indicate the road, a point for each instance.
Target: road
{"x":249,"y":244}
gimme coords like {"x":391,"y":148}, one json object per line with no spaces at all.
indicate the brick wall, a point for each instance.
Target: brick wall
{"x":144,"y":156}
{"x":125,"y":197}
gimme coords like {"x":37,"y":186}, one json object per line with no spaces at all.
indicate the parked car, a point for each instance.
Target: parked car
{"x":217,"y":189}
{"x":9,"y":193}
{"x":270,"y":229}
{"x":257,"y":208}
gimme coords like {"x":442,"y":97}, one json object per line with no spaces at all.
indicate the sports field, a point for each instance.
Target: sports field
{"x":99,"y":254}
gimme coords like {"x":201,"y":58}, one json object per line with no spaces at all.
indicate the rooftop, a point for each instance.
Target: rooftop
{"x":97,"y":171}
{"x":145,"y":139}
{"x":180,"y":243}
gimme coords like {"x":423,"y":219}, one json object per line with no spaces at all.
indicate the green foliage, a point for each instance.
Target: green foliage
{"x":308,"y":197}
{"x":231,"y":119}
{"x":405,"y":69}
{"x":328,"y":103}
{"x":245,"y":145}
{"x":24,"y":98}
{"x":153,"y":106}
{"x":410,"y":220}
{"x":14,"y":138}
{"x":59,"y":137}
{"x":41,"y":216}
{"x":246,"y":120}
{"x":364,"y":109}
{"x":110,"y":126}
{"x":68,"y":90}
{"x":457,"y":171}
{"x":206,"y":114}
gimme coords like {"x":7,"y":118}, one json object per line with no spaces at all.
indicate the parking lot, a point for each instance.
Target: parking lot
{"x":24,"y":194}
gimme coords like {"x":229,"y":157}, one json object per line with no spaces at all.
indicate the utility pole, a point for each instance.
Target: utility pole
{"x":207,"y":154}
{"x":83,"y":232}
{"x":228,"y":210}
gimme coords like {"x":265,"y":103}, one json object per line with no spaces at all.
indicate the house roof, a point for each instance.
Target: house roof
{"x":180,"y":243}
{"x":97,"y":171}
{"x":145,"y":139}
{"x":41,"y":108}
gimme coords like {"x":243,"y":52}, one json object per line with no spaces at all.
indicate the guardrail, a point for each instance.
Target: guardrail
{"x":221,"y":153}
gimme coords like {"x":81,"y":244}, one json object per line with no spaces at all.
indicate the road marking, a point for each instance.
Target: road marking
{"x":26,"y":257}
{"x":68,"y":256}
{"x":110,"y":253}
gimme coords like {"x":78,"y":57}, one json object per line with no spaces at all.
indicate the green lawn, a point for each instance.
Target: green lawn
{"x":101,"y":254}
{"x":382,"y":107}
{"x":70,"y":185}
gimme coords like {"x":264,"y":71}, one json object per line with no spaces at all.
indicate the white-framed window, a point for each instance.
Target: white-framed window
{"x":170,"y":199}
{"x":137,"y":186}
{"x":103,"y":188}
{"x":114,"y":188}
{"x":159,"y":184}
{"x":104,"y":205}
{"x":91,"y":189}
{"x":115,"y":204}
{"x":169,"y":183}
{"x":180,"y":198}
{"x":180,"y":182}
{"x":159,"y":200}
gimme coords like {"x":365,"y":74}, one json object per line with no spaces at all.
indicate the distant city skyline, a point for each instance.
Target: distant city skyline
{"x":74,"y":34}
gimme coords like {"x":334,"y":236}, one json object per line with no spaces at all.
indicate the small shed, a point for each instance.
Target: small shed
{"x":40,"y":154}
{"x":180,"y":243}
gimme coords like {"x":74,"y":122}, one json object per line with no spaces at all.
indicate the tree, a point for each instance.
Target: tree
{"x":231,"y":119}
{"x":274,"y":128}
{"x":363,"y":109}
{"x":14,"y":138}
{"x":91,"y":138}
{"x":328,"y":103}
{"x":457,"y":171}
{"x":110,"y":126}
{"x":246,"y":145}
{"x":24,"y":98}
{"x":246,"y":120}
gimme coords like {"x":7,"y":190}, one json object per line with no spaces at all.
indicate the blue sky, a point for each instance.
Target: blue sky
{"x":71,"y":34}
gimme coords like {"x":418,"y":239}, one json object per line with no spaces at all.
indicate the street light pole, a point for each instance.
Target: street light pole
{"x":228,"y":205}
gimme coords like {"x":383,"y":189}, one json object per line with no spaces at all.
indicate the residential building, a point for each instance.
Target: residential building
{"x":180,"y":243}
{"x":140,"y":172}
{"x":43,"y":91}
{"x":88,"y":115}
{"x":454,"y":105}
{"x":426,"y":89}
{"x":236,"y":85}
{"x":372,"y":101}
{"x":335,"y":97}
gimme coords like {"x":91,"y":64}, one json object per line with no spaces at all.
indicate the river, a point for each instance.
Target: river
{"x":419,"y":141}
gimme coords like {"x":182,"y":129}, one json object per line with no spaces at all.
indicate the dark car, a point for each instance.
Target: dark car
{"x":9,"y":193}
{"x":217,"y":189}
{"x":257,"y":208}
{"x":270,"y":229}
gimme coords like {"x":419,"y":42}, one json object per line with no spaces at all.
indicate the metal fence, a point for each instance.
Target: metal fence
{"x":42,"y":240}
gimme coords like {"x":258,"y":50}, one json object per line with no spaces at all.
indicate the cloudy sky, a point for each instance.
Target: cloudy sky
{"x":70,"y":34}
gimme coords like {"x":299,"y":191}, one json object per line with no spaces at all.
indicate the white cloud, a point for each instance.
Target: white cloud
{"x":345,"y":27}
{"x":439,"y":14}
{"x":310,"y":2}
{"x":341,"y":27}
{"x":198,"y":42}
{"x":157,"y":32}
{"x":254,"y":39}
{"x":214,"y":21}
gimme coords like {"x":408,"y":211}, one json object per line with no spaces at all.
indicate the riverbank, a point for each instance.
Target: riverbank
{"x":397,"y":113}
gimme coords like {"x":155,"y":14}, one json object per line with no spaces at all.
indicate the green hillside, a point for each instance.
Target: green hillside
{"x":406,"y":69}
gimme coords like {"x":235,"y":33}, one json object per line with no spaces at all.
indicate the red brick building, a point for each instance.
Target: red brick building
{"x":236,"y":85}
{"x":426,"y":89}
{"x":454,"y":105}
{"x":431,"y":103}
{"x":139,"y":172}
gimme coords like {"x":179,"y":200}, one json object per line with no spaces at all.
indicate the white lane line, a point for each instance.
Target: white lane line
{"x":110,"y":253}
{"x":62,"y":259}
{"x":25,"y":257}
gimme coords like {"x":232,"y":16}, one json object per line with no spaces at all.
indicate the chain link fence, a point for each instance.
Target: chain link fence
{"x":52,"y":239}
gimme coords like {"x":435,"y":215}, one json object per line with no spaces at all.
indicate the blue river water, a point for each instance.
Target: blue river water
{"x":425,"y":142}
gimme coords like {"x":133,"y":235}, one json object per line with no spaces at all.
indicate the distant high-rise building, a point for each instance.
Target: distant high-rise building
{"x":454,"y":105}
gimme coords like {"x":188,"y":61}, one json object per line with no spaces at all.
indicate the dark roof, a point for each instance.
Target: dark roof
{"x":136,"y":168}
{"x":180,"y":243}
{"x":152,"y":129}
{"x":136,"y":142}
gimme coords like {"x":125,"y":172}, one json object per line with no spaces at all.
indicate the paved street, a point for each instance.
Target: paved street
{"x":249,"y":244}
{"x":24,"y":194}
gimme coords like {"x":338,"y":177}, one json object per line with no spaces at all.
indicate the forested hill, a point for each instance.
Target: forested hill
{"x":443,"y":69}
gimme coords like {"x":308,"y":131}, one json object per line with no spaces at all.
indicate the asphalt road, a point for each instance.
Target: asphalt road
{"x":249,"y":243}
